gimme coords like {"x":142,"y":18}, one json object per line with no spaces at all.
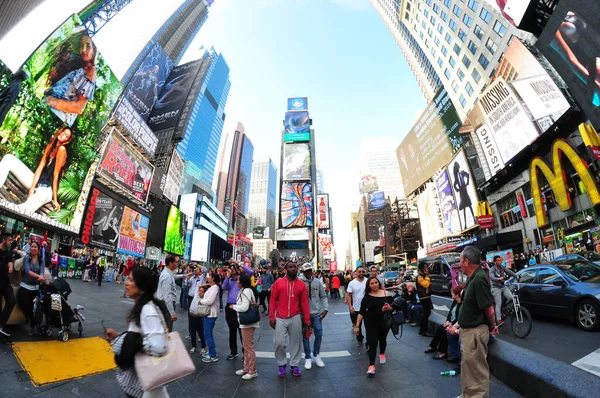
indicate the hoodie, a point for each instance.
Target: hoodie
{"x":288,"y":299}
{"x":317,"y":298}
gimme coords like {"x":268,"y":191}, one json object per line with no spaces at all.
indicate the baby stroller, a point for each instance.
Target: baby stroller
{"x":51,"y":305}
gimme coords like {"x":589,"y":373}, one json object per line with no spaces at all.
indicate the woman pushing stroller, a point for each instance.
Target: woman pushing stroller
{"x":32,"y":274}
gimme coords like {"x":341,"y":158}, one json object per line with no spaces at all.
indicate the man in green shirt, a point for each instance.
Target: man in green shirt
{"x":476,"y":321}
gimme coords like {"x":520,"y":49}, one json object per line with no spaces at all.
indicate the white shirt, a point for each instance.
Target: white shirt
{"x":153,"y":329}
{"x":357,"y":289}
{"x":167,"y":289}
{"x":211,"y":297}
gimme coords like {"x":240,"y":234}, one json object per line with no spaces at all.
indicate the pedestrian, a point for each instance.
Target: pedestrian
{"x":148,"y":325}
{"x":6,"y":290}
{"x":267,"y":281}
{"x":32,"y":274}
{"x":375,"y":273}
{"x":423,"y":284}
{"x":335,"y":287}
{"x":317,"y":302}
{"x":210,"y":298}
{"x":288,"y":300}
{"x":442,"y":339}
{"x":475,"y":323}
{"x":93,"y":269}
{"x":121,"y":270}
{"x":167,"y":289}
{"x":375,"y":302}
{"x":247,"y":298}
{"x":195,"y":319}
{"x":129,"y":265}
{"x":55,"y":261}
{"x":230,"y":284}
{"x":101,"y":267}
{"x":185,"y":287}
{"x":498,"y":275}
{"x":354,"y":296}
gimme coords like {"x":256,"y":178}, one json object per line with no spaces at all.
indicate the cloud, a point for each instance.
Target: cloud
{"x":352,"y":4}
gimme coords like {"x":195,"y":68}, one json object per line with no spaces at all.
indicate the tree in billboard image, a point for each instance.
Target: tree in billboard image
{"x":175,"y":232}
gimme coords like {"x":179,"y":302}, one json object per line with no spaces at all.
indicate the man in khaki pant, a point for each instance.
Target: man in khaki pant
{"x":476,"y":321}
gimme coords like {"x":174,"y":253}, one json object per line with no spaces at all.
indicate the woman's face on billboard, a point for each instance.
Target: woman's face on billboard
{"x":65,"y":136}
{"x":87,"y":49}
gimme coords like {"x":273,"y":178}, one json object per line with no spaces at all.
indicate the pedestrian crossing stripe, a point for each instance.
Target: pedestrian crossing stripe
{"x":329,"y":354}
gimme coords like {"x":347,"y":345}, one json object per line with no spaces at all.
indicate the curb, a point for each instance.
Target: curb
{"x":532,"y":374}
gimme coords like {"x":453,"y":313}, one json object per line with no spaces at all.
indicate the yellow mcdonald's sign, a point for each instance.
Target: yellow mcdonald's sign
{"x":483,"y":209}
{"x":556,"y":179}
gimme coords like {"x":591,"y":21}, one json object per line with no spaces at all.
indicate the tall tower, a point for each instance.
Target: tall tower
{"x":263,"y":196}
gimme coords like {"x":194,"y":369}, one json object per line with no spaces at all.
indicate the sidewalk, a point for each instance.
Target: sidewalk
{"x":408,"y":371}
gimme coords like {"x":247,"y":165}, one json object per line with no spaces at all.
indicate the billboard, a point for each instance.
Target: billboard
{"x":325,"y":242}
{"x":174,"y":177}
{"x":199,"y":245}
{"x":147,"y":82}
{"x":323,"y":209}
{"x":571,"y":42}
{"x":368,"y":184}
{"x":430,"y":143}
{"x":512,"y":10}
{"x":429,"y":215}
{"x":507,"y":255}
{"x":296,"y":205}
{"x":450,"y":217}
{"x":375,"y":200}
{"x":125,"y":167}
{"x":136,"y":127}
{"x":173,"y":95}
{"x":133,"y":233}
{"x":175,"y":232}
{"x":296,"y":161}
{"x":297,"y":104}
{"x":102,"y":221}
{"x":296,"y":126}
{"x":463,"y":186}
{"x":258,"y":232}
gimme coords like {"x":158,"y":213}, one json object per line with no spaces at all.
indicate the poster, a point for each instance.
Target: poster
{"x":102,"y":221}
{"x":296,"y":205}
{"x":463,"y":187}
{"x":430,"y":219}
{"x":507,"y":257}
{"x":133,"y":233}
{"x":375,"y":200}
{"x":323,"y":210}
{"x":368,"y":184}
{"x":326,"y":246}
{"x":450,"y":217}
{"x":296,"y":161}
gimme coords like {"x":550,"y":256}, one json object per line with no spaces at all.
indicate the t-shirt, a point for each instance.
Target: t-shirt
{"x":357,"y":289}
{"x":6,"y":257}
{"x":371,"y":307}
{"x":476,"y":297}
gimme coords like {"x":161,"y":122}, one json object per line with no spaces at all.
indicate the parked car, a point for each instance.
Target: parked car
{"x":567,"y":289}
{"x":390,"y":277}
{"x":439,"y":271}
{"x":584,"y":255}
{"x":410,"y":274}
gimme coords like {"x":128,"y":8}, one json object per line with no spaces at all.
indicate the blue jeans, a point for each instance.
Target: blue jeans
{"x":453,"y":345}
{"x":184,"y":297}
{"x":318,"y":331}
{"x":416,"y":313}
{"x":209,"y":325}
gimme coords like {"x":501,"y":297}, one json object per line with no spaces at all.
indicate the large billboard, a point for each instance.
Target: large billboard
{"x":147,"y":82}
{"x":431,"y":143}
{"x":296,"y":205}
{"x":296,"y":126}
{"x":463,"y":186}
{"x":173,"y":95}
{"x":429,"y":215}
{"x":297,"y":104}
{"x":200,"y":238}
{"x":175,"y":232}
{"x":133,"y":233}
{"x":323,"y":211}
{"x":571,"y":42}
{"x":174,"y":176}
{"x":512,"y":10}
{"x":125,"y":167}
{"x":450,"y":216}
{"x":296,"y":161}
{"x":102,"y":220}
{"x":368,"y":184}
{"x":136,"y":127}
{"x":326,"y":246}
{"x":375,"y":200}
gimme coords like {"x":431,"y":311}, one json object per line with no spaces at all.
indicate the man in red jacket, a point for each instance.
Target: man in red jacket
{"x":288,"y":300}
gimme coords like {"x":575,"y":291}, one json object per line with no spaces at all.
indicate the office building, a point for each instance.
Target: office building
{"x":378,"y":158}
{"x":12,"y":12}
{"x":261,"y":248}
{"x":462,"y":41}
{"x":263,"y":197}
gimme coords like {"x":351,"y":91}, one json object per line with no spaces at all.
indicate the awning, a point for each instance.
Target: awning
{"x":502,"y":240}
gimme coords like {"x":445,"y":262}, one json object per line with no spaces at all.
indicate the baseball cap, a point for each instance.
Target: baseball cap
{"x":306,"y":267}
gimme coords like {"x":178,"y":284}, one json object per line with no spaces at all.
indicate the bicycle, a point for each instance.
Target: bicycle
{"x":520,"y":317}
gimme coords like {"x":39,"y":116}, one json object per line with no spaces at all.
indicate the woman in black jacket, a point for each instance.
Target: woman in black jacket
{"x":439,"y":343}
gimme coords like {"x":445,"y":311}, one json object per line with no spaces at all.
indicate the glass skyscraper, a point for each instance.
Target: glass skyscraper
{"x":263,"y":196}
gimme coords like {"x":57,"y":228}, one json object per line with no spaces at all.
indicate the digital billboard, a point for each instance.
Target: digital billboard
{"x":125,"y":167}
{"x":430,"y":143}
{"x":571,"y":42}
{"x":173,"y":95}
{"x":296,"y":126}
{"x":147,"y":82}
{"x":258,"y":232}
{"x":200,"y":239}
{"x":175,"y":232}
{"x":463,"y":186}
{"x":326,"y":246}
{"x":450,"y":216}
{"x":102,"y":220}
{"x":296,"y":205}
{"x":136,"y":127}
{"x":323,"y":209}
{"x":429,"y":215}
{"x":375,"y":200}
{"x":368,"y":184}
{"x":297,"y":104}
{"x":296,"y":161}
{"x":133,"y":233}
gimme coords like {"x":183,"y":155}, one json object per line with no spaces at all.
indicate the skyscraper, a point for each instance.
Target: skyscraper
{"x":12,"y":12}
{"x":457,"y":44}
{"x":263,"y":196}
{"x":378,"y":158}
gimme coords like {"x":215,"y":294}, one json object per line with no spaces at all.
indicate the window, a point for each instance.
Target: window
{"x":444,"y":50}
{"x":456,"y":49}
{"x":430,"y":32}
{"x":528,"y":276}
{"x":466,"y":61}
{"x":428,"y":2}
{"x":452,"y":25}
{"x":499,"y":28}
{"x":447,"y":73}
{"x":460,"y":74}
{"x":432,"y":20}
{"x":440,"y":62}
{"x":423,"y":25}
{"x":462,"y":35}
{"x":467,"y":20}
{"x":483,"y":61}
{"x":476,"y":76}
{"x":491,"y":45}
{"x":469,"y":89}
{"x":421,"y":35}
{"x":472,"y":5}
{"x":478,"y":32}
{"x":437,"y":41}
{"x":433,"y":52}
{"x":463,"y":100}
{"x":452,"y":62}
{"x":444,"y":16}
{"x":472,"y":47}
{"x":440,"y":29}
{"x":447,"y":3}
{"x":456,"y":10}
{"x":448,"y":38}
{"x":455,"y":86}
{"x":547,"y":276}
{"x":436,"y":8}
{"x":426,"y":13}
{"x":485,"y":15}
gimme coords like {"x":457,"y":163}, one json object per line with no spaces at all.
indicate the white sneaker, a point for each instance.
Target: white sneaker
{"x":308,"y":364}
{"x":241,"y":372}
{"x":318,"y":361}
{"x":192,"y":350}
{"x":249,"y":376}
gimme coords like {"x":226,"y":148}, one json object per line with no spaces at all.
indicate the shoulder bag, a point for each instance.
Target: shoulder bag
{"x":251,"y":316}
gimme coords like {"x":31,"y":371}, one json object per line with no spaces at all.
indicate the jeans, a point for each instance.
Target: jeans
{"x":7,"y":292}
{"x":416,"y":312}
{"x":209,"y":324}
{"x":453,"y":345}
{"x":184,"y":297}
{"x":499,"y":293}
{"x":318,"y":331}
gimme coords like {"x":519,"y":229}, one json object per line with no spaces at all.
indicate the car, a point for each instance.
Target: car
{"x":390,"y":277}
{"x":584,"y":255}
{"x":410,"y":274}
{"x":567,"y":289}
{"x":439,"y":271}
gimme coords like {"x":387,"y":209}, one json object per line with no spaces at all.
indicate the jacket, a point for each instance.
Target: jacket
{"x":496,"y":273}
{"x":288,"y":299}
{"x":423,"y":283}
{"x":317,"y":298}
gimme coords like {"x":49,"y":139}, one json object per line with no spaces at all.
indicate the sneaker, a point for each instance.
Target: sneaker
{"x":308,"y":364}
{"x":413,"y":324}
{"x":319,"y":361}
{"x":382,"y":359}
{"x":231,"y":357}
{"x":281,"y":371}
{"x":296,"y":371}
{"x":192,"y":350}
{"x":359,"y":343}
{"x":249,"y":376}
{"x":210,"y":359}
{"x":241,"y":372}
{"x":371,"y":370}
{"x":500,"y":323}
{"x":204,"y":352}
{"x":4,"y":333}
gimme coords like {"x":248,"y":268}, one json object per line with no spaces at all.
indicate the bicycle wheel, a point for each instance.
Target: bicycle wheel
{"x":521,"y":327}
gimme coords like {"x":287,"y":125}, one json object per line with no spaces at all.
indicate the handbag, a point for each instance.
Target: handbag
{"x":155,"y":371}
{"x":203,"y":310}
{"x":251,"y":316}
{"x":398,"y":320}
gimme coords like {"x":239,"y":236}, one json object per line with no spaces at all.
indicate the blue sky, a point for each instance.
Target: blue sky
{"x":341,"y":56}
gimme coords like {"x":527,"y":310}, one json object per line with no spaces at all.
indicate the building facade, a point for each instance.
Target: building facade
{"x":261,"y":249}
{"x":263,"y":196}
{"x":378,"y":158}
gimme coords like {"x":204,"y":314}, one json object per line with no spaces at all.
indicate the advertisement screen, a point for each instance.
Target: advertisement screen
{"x":463,"y":186}
{"x":368,"y":184}
{"x":325,"y":242}
{"x":199,"y":245}
{"x":429,"y":215}
{"x":375,"y":200}
{"x":133,"y":233}
{"x":297,"y":104}
{"x":296,"y":126}
{"x":175,"y":232}
{"x":124,"y":166}
{"x":258,"y":232}
{"x":172,"y":97}
{"x":431,"y":142}
{"x":296,"y":161}
{"x":507,"y":257}
{"x":323,"y":209}
{"x":450,"y":217}
{"x":296,"y":205}
{"x":147,"y":82}
{"x":102,"y":221}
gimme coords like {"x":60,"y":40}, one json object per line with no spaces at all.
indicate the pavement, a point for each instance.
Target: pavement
{"x":408,"y":371}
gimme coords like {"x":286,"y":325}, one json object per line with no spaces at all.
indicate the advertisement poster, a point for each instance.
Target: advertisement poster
{"x":147,"y":82}
{"x":173,"y":95}
{"x":429,"y":215}
{"x":368,"y":184}
{"x":175,"y":232}
{"x":431,"y":142}
{"x":296,"y":205}
{"x":375,"y":200}
{"x":123,"y":165}
{"x":450,"y":217}
{"x":296,"y":126}
{"x":296,"y":161}
{"x":325,"y":242}
{"x":136,"y":127}
{"x":134,"y":232}
{"x":323,"y":209}
{"x":102,"y":221}
{"x":507,"y":257}
{"x":297,"y":104}
{"x":200,"y":239}
{"x":463,"y":186}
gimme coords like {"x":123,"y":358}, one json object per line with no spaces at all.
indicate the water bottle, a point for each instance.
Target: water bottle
{"x":448,"y":373}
